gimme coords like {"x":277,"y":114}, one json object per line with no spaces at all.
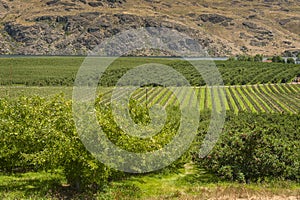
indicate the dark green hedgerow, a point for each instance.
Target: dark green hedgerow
{"x":256,"y":147}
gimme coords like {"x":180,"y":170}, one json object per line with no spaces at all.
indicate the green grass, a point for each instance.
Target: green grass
{"x":169,"y":184}
{"x":186,"y":183}
{"x":16,"y":91}
{"x":31,"y":185}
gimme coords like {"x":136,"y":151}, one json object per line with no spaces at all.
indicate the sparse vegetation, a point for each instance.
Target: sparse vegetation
{"x":225,"y":29}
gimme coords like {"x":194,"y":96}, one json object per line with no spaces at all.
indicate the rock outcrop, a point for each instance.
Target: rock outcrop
{"x":74,"y":27}
{"x":78,"y":34}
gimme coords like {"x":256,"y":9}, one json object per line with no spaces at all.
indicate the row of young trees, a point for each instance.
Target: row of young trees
{"x":279,"y":59}
{"x":259,"y":58}
{"x":256,"y":58}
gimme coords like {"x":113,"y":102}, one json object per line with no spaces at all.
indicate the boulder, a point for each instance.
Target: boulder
{"x":291,"y":53}
{"x":214,"y":18}
{"x":53,"y":2}
{"x":44,"y":18}
{"x":258,"y":43}
{"x":95,"y":4}
{"x":250,"y":25}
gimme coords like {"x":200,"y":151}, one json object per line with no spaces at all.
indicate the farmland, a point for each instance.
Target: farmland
{"x":61,"y":71}
{"x":41,"y":151}
{"x":248,"y":86}
{"x":267,"y":98}
{"x":43,"y":157}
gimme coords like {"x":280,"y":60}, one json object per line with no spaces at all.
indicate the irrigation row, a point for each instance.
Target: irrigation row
{"x":252,"y":98}
{"x":288,"y":101}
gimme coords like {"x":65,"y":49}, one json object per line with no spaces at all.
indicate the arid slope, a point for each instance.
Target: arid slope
{"x":76,"y":26}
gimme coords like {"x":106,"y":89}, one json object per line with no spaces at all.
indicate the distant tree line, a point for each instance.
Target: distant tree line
{"x":279,"y":59}
{"x":256,"y":58}
{"x":259,"y":58}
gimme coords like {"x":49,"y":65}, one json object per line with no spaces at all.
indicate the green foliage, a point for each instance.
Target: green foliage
{"x":241,"y":73}
{"x":38,"y":134}
{"x":278,"y":59}
{"x":39,"y":71}
{"x":61,"y":71}
{"x":255,"y":147}
{"x":290,"y":61}
{"x":258,"y":58}
{"x":230,"y":59}
{"x":242,"y":58}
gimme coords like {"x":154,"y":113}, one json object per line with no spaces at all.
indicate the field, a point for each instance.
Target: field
{"x":61,"y":71}
{"x":255,"y":87}
{"x":269,"y":98}
{"x":253,"y":98}
{"x":256,"y":157}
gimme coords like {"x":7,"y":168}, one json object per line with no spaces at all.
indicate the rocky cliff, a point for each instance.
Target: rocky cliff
{"x":73,"y":27}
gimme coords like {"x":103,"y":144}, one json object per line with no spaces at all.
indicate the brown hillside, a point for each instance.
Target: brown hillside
{"x":75,"y":26}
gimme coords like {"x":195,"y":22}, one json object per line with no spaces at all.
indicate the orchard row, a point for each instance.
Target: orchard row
{"x":267,"y":98}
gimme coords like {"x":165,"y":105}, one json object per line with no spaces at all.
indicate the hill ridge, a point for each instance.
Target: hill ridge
{"x":73,"y":27}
